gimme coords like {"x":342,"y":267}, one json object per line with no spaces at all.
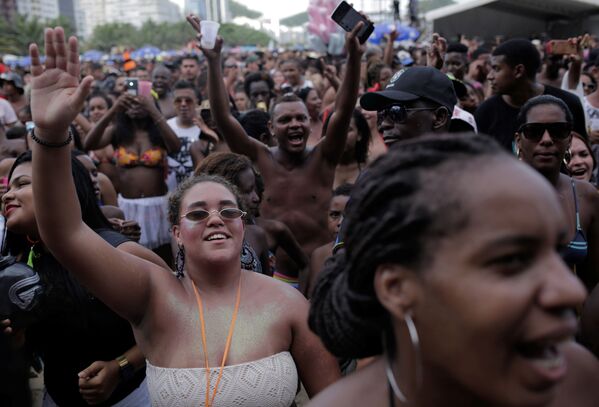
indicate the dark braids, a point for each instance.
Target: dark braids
{"x":398,"y":212}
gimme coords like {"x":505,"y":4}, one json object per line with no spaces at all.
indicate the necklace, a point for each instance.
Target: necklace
{"x":209,"y":399}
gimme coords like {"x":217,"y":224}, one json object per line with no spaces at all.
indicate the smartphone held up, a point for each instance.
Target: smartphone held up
{"x":347,"y":17}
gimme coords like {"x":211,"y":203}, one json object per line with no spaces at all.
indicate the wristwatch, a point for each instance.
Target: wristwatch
{"x":126,"y":369}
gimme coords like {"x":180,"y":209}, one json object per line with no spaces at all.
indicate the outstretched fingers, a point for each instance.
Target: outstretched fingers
{"x":61,"y":49}
{"x":50,"y":49}
{"x":36,"y":65}
{"x":73,"y":58}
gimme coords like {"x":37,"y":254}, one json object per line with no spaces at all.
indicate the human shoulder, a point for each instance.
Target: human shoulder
{"x":291,"y":303}
{"x":566,"y":96}
{"x":363,"y":387}
{"x":587,"y":191}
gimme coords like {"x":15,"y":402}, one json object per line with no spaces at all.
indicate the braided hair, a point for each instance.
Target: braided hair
{"x":398,"y":212}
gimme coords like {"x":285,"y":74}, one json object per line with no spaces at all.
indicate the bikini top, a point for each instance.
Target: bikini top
{"x":576,"y":251}
{"x":153,"y":157}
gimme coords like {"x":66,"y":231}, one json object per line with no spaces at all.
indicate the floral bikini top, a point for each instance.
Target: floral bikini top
{"x":153,"y":157}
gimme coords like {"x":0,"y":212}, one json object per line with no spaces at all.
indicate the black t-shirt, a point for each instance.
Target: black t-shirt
{"x":498,"y":119}
{"x":75,"y":329}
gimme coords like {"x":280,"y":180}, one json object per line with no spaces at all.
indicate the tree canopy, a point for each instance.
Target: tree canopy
{"x":239,"y":10}
{"x":16,"y":35}
{"x":295,"y":20}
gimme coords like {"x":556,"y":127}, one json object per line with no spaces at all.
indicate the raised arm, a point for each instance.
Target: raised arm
{"x":345,"y":102}
{"x":100,"y":135}
{"x":235,"y":136}
{"x":171,"y":141}
{"x":56,"y":98}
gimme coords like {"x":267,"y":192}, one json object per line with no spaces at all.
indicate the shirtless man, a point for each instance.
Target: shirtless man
{"x":298,"y":181}
{"x":161,"y":82}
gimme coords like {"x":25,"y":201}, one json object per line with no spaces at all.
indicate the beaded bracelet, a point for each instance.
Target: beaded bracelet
{"x":51,"y":145}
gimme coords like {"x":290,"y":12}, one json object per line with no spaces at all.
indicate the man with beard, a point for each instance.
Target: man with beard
{"x":298,"y":180}
{"x":161,"y":83}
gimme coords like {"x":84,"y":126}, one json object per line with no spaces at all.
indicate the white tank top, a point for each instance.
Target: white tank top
{"x":268,"y":382}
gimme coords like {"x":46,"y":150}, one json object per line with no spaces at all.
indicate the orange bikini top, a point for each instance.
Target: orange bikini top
{"x":153,"y":157}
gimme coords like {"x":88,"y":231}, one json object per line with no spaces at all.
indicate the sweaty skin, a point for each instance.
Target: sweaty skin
{"x":298,"y":180}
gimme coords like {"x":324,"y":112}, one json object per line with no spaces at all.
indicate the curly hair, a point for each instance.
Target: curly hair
{"x":398,"y":213}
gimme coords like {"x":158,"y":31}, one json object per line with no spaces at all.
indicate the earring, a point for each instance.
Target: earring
{"x":180,"y":262}
{"x":567,"y":156}
{"x":416,"y":349}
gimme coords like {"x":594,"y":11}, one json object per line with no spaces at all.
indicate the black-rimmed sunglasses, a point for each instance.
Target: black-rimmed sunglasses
{"x":398,"y":113}
{"x":558,"y":131}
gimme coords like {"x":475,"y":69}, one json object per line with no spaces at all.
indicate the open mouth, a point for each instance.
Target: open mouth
{"x":543,"y":354}
{"x":216,"y":237}
{"x":296,"y":139}
{"x":579,"y":172}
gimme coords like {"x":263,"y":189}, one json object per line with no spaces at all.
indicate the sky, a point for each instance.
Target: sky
{"x":271,"y":8}
{"x":285,"y":8}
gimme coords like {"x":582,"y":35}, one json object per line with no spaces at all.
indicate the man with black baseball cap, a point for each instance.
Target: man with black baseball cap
{"x":417,"y":101}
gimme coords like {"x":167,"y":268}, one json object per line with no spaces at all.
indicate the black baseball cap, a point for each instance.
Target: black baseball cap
{"x":411,"y":84}
{"x":14,"y":78}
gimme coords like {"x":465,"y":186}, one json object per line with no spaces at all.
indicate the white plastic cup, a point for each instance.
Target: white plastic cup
{"x":209,"y":29}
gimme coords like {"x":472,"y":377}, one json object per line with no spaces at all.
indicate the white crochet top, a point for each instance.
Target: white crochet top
{"x":268,"y":382}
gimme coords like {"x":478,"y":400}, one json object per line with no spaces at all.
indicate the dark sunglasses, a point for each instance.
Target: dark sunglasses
{"x":589,"y":86}
{"x":557,"y":131}
{"x":199,"y":215}
{"x":398,"y":113}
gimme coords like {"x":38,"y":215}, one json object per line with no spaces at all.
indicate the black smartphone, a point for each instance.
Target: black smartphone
{"x":132,"y":86}
{"x":347,"y":17}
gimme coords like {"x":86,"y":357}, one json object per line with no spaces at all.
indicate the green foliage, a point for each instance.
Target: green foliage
{"x":166,"y":35}
{"x":162,"y":35}
{"x":295,"y":20}
{"x":239,"y":10}
{"x":15,"y":36}
{"x":242,"y":35}
{"x":428,"y":5}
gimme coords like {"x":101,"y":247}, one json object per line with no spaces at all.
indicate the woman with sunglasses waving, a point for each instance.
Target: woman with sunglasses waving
{"x":544,"y":136}
{"x":216,"y":336}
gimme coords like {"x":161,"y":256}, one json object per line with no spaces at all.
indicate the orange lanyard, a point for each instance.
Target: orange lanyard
{"x":209,"y":399}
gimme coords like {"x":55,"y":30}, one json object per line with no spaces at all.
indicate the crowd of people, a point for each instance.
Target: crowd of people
{"x":400,"y":226}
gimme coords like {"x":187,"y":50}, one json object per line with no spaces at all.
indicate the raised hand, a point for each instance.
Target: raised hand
{"x":56,"y":94}
{"x":352,"y":44}
{"x":210,"y":54}
{"x":435,"y":55}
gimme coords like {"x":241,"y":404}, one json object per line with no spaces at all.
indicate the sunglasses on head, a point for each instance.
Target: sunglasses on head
{"x":398,"y":113}
{"x":557,"y":131}
{"x":199,"y":215}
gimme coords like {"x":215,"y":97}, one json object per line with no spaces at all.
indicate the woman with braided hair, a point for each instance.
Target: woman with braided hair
{"x":459,"y":287}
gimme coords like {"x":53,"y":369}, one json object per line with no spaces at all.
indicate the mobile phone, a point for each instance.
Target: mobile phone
{"x":144,"y":88}
{"x":561,"y":47}
{"x":347,"y":17}
{"x":132,"y":86}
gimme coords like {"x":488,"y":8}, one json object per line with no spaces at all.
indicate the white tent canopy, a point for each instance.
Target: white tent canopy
{"x":489,"y":18}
